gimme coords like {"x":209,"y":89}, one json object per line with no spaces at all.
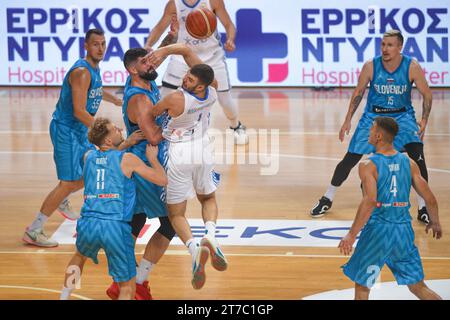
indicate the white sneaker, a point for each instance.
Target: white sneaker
{"x":38,"y":238}
{"x":240,"y":135}
{"x":198,"y":268}
{"x":65,"y":208}
{"x":218,"y":260}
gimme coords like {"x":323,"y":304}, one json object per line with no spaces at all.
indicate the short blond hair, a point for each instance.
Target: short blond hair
{"x":394,"y":33}
{"x":98,"y":131}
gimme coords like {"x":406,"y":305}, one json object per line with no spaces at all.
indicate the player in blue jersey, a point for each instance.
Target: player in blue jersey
{"x":109,"y":200}
{"x":140,"y":95}
{"x":391,"y":76}
{"x":387,"y":236}
{"x":80,"y":97}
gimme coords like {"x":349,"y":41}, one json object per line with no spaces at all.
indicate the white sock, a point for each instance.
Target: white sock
{"x":210,"y":231}
{"x":229,"y":107}
{"x":330,"y":192}
{"x":192,"y":246}
{"x":420,"y":202}
{"x":38,"y":223}
{"x":65,"y":293}
{"x":145,"y":267}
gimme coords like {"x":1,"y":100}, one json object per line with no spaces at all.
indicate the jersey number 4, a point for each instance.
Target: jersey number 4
{"x":393,"y":187}
{"x":100,"y":179}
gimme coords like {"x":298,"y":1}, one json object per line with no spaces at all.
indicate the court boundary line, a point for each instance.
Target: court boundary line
{"x":43,"y":289}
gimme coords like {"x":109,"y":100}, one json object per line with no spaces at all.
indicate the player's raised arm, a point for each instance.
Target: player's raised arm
{"x":156,"y":173}
{"x":358,"y":93}
{"x":173,"y":103}
{"x":80,"y":80}
{"x":145,"y":120}
{"x":219,"y":9}
{"x":423,"y":189}
{"x":159,"y":55}
{"x":163,"y":23}
{"x":367,"y":173}
{"x":417,"y":76}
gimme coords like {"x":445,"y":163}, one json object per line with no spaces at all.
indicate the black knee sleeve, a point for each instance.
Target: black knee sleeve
{"x":166,"y":228}
{"x":415,"y":152}
{"x":344,"y":167}
{"x":137,"y":223}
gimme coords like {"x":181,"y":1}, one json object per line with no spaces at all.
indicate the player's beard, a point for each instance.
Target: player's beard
{"x":191,"y":90}
{"x":149,"y":76}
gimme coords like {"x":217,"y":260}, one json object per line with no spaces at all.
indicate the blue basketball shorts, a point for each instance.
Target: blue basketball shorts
{"x":407,"y":133}
{"x":115,"y":238}
{"x":69,"y":148}
{"x":385,"y":243}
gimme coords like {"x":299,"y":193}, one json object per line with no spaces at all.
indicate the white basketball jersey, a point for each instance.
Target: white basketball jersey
{"x":207,"y":48}
{"x":193,"y":123}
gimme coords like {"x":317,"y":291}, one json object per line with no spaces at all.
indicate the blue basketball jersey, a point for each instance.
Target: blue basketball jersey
{"x":150,"y":197}
{"x":390,"y":93}
{"x":64,"y":107}
{"x":161,"y":120}
{"x":108,"y":193}
{"x":393,"y":188}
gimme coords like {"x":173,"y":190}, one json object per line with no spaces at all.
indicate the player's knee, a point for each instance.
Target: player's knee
{"x":71,"y":186}
{"x":344,"y":167}
{"x":176,"y":210}
{"x":417,"y":287}
{"x":166,"y":229}
{"x":206,"y":197}
{"x":137,"y":223}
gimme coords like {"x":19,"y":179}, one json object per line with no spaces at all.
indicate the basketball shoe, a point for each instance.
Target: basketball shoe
{"x":423,"y":216}
{"x":218,"y":260}
{"x":65,"y":208}
{"x":38,"y":238}
{"x":142,"y":291}
{"x":240,"y":135}
{"x":198,"y":267}
{"x":321,"y":207}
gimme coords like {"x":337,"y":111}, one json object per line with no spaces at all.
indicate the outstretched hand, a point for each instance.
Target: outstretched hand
{"x":345,"y":130}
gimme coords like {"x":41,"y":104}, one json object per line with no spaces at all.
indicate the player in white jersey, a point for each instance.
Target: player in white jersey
{"x":191,"y":165}
{"x":209,"y":50}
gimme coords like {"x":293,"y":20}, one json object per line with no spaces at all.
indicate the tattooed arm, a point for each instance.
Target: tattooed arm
{"x":364,"y":78}
{"x":417,"y":76}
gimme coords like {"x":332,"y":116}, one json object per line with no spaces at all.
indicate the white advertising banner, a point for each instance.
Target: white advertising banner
{"x":278,"y":43}
{"x":240,"y":232}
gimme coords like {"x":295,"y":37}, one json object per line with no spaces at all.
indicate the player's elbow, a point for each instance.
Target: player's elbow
{"x":77,"y":113}
{"x":370,"y":201}
{"x":154,"y":140}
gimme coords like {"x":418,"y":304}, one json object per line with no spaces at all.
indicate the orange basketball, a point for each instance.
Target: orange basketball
{"x":201,"y":23}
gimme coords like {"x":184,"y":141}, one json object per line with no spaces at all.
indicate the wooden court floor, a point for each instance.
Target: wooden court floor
{"x":308,"y":122}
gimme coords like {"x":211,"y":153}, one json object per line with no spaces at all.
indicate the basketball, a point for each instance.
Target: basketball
{"x":201,"y":23}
